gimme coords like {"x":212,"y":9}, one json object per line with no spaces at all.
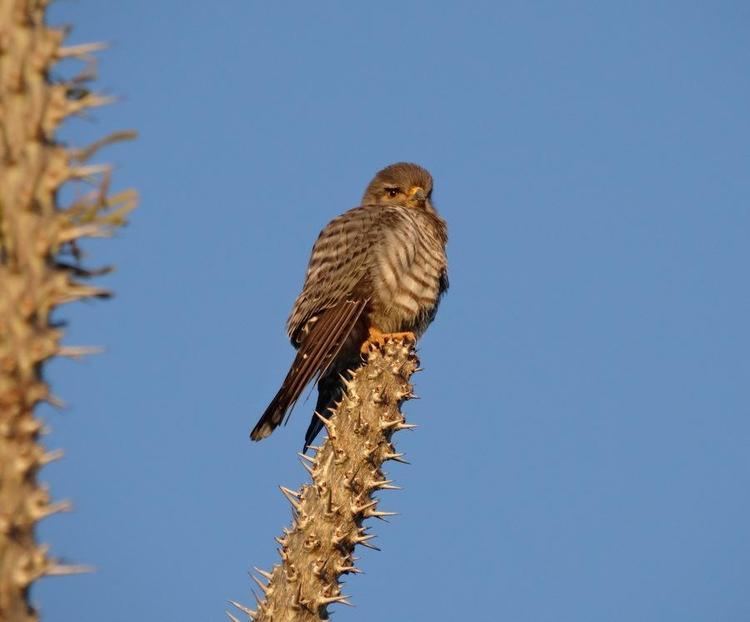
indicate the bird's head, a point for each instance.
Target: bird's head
{"x":404,"y":184}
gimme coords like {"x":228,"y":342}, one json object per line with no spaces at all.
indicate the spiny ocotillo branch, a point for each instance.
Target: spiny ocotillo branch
{"x":329,"y":512}
{"x":39,"y":270}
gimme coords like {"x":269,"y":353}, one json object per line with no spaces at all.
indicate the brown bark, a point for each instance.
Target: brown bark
{"x":39,"y":269}
{"x":328,"y":513}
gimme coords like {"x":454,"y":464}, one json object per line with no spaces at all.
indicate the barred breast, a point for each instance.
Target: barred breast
{"x":409,"y":271}
{"x":339,"y":265}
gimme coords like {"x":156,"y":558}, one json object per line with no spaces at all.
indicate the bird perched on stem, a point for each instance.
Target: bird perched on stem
{"x":377,"y":271}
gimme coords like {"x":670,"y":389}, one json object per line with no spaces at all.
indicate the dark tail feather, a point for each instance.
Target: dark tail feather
{"x":316,"y":353}
{"x":284,"y":400}
{"x":316,"y":425}
{"x":330,"y":391}
{"x":272,"y":417}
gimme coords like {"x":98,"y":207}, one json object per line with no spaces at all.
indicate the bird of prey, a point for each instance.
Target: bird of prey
{"x":375,"y":270}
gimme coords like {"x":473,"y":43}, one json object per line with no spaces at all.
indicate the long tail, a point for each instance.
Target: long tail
{"x":319,"y":348}
{"x":274,"y":414}
{"x":330,"y":390}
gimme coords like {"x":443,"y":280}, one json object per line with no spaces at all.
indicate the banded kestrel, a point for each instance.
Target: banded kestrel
{"x":379,"y":268}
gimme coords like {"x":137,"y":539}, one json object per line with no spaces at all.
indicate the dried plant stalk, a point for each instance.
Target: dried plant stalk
{"x":328,"y":513}
{"x":39,"y":270}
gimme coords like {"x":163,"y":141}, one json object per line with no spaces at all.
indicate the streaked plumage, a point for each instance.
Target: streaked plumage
{"x":379,"y":266}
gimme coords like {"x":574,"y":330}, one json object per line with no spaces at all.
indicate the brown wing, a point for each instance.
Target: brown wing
{"x":332,"y":301}
{"x":339,"y":267}
{"x":316,"y":352}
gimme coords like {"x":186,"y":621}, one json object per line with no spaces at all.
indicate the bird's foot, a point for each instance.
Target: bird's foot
{"x":376,"y":338}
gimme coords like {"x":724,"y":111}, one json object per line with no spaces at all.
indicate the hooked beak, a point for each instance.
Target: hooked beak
{"x":417,"y":195}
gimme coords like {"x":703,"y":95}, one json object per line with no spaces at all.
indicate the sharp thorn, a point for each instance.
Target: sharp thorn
{"x":51,"y":456}
{"x":83,"y":49}
{"x":250,"y":612}
{"x":379,"y":514}
{"x":389,"y":487}
{"x":292,"y":497}
{"x":348,"y":570}
{"x":78,"y":352}
{"x":384,"y":484}
{"x":307,"y":468}
{"x":59,"y":570}
{"x":327,"y":600}
{"x":387,"y":425}
{"x":396,"y":458}
{"x":290,"y":492}
{"x":406,"y":426}
{"x":55,"y":401}
{"x":89,"y":170}
{"x":263,"y":573}
{"x":261,"y":585}
{"x":325,"y":421}
{"x":364,"y":537}
{"x":306,"y":457}
{"x":53,"y":508}
{"x":364,"y":507}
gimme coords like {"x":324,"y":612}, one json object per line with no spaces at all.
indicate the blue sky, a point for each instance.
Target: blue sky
{"x":582,"y":451}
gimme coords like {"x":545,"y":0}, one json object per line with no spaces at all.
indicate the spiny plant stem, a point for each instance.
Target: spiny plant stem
{"x":328,"y":513}
{"x":39,"y":270}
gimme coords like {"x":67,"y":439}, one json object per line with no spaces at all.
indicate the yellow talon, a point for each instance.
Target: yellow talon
{"x":378,"y":338}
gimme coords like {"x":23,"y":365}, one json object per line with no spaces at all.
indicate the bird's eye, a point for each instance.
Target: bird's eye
{"x":392,"y":192}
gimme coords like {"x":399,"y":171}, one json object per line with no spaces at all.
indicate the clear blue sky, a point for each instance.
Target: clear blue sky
{"x":582,"y":451}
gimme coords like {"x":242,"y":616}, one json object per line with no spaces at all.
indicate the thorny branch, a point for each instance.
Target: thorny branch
{"x":329,"y":512}
{"x":36,"y":232}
